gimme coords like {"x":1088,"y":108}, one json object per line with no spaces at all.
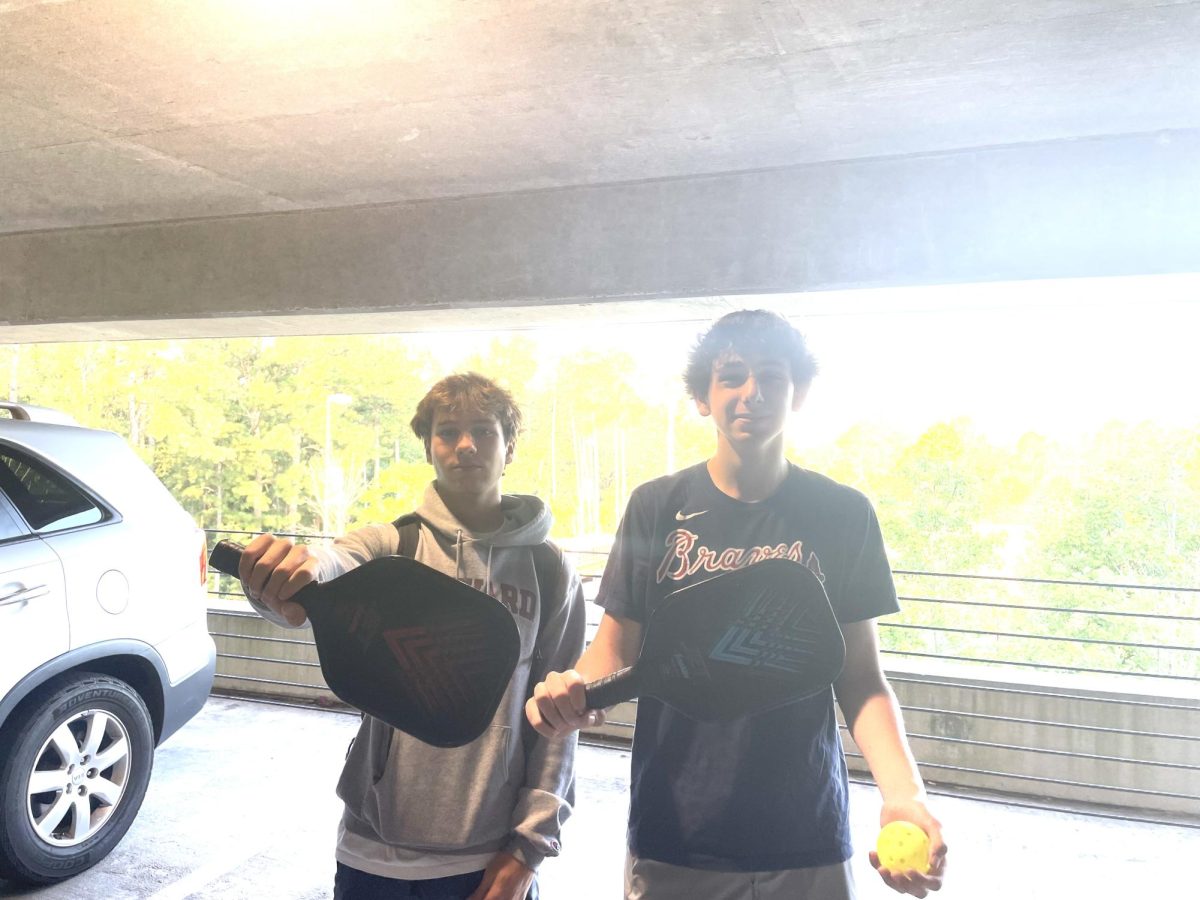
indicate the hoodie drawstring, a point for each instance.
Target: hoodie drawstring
{"x":458,"y":543}
{"x":487,"y":574}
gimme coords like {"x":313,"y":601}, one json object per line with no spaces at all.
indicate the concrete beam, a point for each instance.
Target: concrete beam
{"x":1108,"y":206}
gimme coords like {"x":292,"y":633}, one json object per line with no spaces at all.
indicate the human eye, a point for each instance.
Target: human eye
{"x":732,"y":377}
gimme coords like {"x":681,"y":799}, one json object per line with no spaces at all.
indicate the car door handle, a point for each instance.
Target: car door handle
{"x":24,"y":594}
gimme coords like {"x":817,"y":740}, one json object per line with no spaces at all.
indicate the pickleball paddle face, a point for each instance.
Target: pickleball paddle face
{"x":408,"y":645}
{"x":737,"y":644}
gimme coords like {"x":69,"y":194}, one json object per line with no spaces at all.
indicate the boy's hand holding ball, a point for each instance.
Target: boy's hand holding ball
{"x":903,"y":847}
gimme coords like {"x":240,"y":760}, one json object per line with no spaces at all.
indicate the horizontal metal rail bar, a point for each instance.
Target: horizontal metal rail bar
{"x":1047,"y":751}
{"x":237,"y":595}
{"x":1017,"y":579}
{"x":256,"y":680}
{"x":1045,"y":807}
{"x":1052,"y":609}
{"x":904,"y":572}
{"x":1052,"y":695}
{"x":1041,"y":779}
{"x":619,"y":723}
{"x":1041,"y":665}
{"x":257,"y":637}
{"x":1121,"y":732}
{"x":269,"y":660}
{"x":1036,"y":637}
{"x":235,"y":613}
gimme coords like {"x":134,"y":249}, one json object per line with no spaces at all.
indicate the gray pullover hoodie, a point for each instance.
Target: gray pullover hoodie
{"x":511,"y":789}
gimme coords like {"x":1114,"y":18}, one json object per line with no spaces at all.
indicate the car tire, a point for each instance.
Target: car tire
{"x":86,"y":741}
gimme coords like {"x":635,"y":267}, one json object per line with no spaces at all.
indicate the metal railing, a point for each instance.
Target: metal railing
{"x":1104,"y":721}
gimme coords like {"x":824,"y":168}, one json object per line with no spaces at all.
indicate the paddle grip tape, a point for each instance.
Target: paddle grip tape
{"x":225,"y":557}
{"x":611,"y":689}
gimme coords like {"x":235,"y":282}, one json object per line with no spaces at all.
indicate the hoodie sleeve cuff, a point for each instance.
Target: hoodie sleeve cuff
{"x":526,"y":853}
{"x":271,"y":616}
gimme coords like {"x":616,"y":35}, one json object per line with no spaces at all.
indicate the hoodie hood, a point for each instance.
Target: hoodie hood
{"x":482,"y":558}
{"x":527,"y":521}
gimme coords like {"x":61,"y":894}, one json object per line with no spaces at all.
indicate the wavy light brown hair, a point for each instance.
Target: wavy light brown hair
{"x":468,"y":391}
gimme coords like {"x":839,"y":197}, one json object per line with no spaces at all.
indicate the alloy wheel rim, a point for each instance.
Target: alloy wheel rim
{"x":78,"y":778}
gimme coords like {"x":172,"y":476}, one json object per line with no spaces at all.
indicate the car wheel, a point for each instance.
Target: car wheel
{"x":73,"y":771}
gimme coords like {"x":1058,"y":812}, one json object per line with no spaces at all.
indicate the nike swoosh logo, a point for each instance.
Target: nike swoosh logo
{"x":680,"y":517}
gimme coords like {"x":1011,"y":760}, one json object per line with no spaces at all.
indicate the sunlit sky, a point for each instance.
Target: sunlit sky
{"x":1058,"y":357}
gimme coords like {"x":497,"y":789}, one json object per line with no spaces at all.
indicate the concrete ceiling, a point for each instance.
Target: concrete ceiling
{"x":115,"y":112}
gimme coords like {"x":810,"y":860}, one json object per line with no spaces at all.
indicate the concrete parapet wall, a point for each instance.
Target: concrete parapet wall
{"x":1051,"y":739}
{"x":1048,"y":739}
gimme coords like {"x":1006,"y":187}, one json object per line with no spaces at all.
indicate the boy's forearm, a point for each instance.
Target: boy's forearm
{"x":615,"y":646}
{"x":597,"y":662}
{"x":878,"y":730}
{"x":546,"y":798}
{"x":873,"y":716}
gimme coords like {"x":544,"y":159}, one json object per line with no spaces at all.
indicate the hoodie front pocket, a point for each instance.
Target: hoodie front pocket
{"x":365,"y":763}
{"x":449,"y":798}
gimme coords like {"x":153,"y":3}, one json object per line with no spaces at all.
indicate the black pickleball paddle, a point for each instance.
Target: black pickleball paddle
{"x":408,"y":645}
{"x":737,"y":644}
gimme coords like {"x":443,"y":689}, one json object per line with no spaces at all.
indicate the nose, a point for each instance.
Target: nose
{"x":752,"y":392}
{"x":466,"y":444}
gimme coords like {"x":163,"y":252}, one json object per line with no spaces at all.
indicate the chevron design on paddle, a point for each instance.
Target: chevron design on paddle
{"x":443,"y":664}
{"x":771,"y":633}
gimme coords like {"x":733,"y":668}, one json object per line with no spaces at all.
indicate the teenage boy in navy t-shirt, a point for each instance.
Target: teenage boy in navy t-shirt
{"x":757,"y":807}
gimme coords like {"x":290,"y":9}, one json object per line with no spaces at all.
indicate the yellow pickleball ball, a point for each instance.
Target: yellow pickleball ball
{"x":903,"y":846}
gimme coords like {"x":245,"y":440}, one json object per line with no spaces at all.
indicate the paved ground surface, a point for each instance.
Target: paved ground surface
{"x":242,"y":806}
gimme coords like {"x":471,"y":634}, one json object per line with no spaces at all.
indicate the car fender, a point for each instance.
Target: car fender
{"x":101,"y":657}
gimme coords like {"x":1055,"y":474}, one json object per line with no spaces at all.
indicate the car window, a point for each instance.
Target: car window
{"x":45,"y":498}
{"x":9,"y":527}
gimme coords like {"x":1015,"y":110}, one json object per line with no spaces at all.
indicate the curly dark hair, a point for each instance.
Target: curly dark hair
{"x":748,"y":332}
{"x":468,"y":391}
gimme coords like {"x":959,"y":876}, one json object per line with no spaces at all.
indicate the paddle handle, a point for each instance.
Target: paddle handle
{"x":612,"y":689}
{"x":225,"y":557}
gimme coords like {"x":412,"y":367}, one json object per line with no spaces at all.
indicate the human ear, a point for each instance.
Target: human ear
{"x":703,"y":407}
{"x":428,"y":452}
{"x":510,"y":449}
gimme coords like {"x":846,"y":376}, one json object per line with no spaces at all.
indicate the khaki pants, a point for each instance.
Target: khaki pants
{"x":647,"y":879}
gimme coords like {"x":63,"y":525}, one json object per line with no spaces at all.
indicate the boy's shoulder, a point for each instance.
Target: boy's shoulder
{"x":817,"y":484}
{"x":826,"y":499}
{"x":665,"y":485}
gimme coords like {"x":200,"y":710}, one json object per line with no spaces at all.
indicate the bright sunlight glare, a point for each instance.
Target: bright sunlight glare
{"x":1061,"y":357}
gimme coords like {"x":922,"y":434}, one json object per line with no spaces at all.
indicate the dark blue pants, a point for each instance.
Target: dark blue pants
{"x":352,"y":884}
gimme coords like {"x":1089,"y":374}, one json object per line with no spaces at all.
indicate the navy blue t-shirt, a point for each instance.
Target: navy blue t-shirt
{"x":763,"y":792}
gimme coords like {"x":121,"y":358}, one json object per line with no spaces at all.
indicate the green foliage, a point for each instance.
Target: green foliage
{"x":251,"y":434}
{"x":1129,"y":510}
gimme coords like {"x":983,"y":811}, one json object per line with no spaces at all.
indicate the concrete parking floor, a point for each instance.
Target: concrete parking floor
{"x":241,"y":805}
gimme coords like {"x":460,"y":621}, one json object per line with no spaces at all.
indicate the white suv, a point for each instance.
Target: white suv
{"x":104,"y":646}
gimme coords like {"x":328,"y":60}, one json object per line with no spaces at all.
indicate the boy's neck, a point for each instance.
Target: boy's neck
{"x":477,"y":513}
{"x":749,"y":474}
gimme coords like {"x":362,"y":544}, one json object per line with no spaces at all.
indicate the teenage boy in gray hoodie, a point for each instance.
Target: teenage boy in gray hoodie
{"x":472,"y":822}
